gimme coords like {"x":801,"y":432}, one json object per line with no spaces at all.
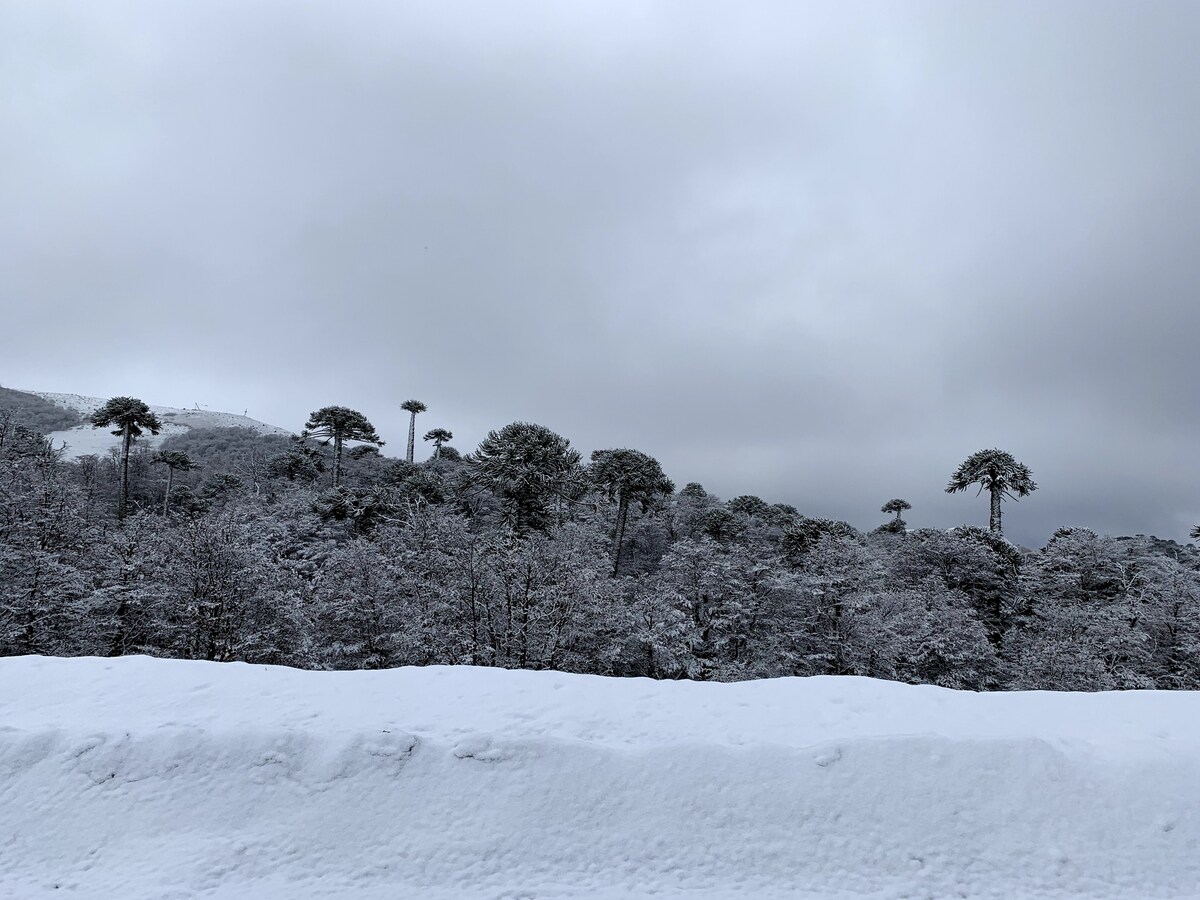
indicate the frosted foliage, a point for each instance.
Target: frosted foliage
{"x":508,"y":559}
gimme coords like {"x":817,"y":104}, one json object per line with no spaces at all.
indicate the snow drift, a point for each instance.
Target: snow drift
{"x":144,"y":778}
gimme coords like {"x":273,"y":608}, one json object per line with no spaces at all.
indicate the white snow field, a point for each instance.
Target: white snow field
{"x":141,"y":778}
{"x":83,"y":440}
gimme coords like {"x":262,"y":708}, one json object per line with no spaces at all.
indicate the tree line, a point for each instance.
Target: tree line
{"x":319,"y":552}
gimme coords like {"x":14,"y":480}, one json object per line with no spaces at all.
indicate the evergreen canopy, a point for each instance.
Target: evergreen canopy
{"x":338,"y":424}
{"x":997,"y":472}
{"x":174,"y":459}
{"x":130,"y":415}
{"x":412,"y":407}
{"x":527,"y":466}
{"x":439,"y":436}
{"x":628,"y":476}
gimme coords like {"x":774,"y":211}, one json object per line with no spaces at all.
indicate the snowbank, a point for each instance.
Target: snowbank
{"x":146,"y":778}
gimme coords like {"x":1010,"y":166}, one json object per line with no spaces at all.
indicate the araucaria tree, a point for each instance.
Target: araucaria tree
{"x":996,"y":472}
{"x":412,"y":407}
{"x":130,"y":416}
{"x":898,"y":507}
{"x":336,"y":425}
{"x":175,"y":461}
{"x":439,"y":436}
{"x":628,"y":476}
{"x":530,"y":469}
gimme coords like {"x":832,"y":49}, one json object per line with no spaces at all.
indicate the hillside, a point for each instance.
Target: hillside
{"x":36,"y":413}
{"x":147,"y":778}
{"x":83,"y":439}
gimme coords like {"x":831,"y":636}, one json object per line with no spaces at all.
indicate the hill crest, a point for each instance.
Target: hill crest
{"x":84,"y":439}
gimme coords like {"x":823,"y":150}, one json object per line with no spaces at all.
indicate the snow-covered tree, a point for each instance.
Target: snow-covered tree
{"x":997,"y":472}
{"x":357,"y":608}
{"x":413,"y":408}
{"x":1077,"y":635}
{"x":132,"y":418}
{"x":439,"y":436}
{"x":336,"y":425}
{"x":175,"y":461}
{"x":898,"y":507}
{"x":531,"y":470}
{"x":628,"y":476}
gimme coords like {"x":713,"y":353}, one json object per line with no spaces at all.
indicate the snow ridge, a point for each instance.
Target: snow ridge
{"x":149,"y":778}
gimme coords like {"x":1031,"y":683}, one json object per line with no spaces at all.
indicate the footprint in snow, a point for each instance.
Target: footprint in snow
{"x":480,"y":747}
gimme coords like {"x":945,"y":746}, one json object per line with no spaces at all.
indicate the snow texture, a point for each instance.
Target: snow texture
{"x":83,"y":440}
{"x":144,"y":778}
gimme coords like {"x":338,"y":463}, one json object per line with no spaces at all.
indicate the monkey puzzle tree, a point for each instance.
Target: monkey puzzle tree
{"x":749,"y":504}
{"x":898,"y":507}
{"x":130,"y":416}
{"x":439,"y":436}
{"x":336,"y":425}
{"x":997,"y":472}
{"x":175,"y":461}
{"x":628,"y":476}
{"x":526,"y":466}
{"x":412,"y":407}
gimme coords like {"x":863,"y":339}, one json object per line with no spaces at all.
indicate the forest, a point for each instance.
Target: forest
{"x":319,"y":552}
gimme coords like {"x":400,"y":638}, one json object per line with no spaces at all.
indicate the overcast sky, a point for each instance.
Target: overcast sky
{"x":815,"y":252}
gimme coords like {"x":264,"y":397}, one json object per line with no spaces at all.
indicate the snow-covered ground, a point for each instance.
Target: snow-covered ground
{"x":141,"y":778}
{"x":84,"y":439}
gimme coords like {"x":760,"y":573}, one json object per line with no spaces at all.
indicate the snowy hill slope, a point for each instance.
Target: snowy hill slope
{"x":84,"y":439}
{"x":146,"y":778}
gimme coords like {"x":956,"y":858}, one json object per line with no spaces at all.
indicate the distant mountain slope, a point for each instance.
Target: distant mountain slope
{"x":31,"y":411}
{"x":84,"y":439}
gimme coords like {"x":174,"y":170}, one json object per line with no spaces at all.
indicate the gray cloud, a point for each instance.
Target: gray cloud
{"x":818,"y":253}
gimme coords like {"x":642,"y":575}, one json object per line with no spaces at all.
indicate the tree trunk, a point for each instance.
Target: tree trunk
{"x":126,"y":439}
{"x":622,"y":517}
{"x":167,"y":495}
{"x":412,"y":435}
{"x":337,"y":459}
{"x":994,"y":519}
